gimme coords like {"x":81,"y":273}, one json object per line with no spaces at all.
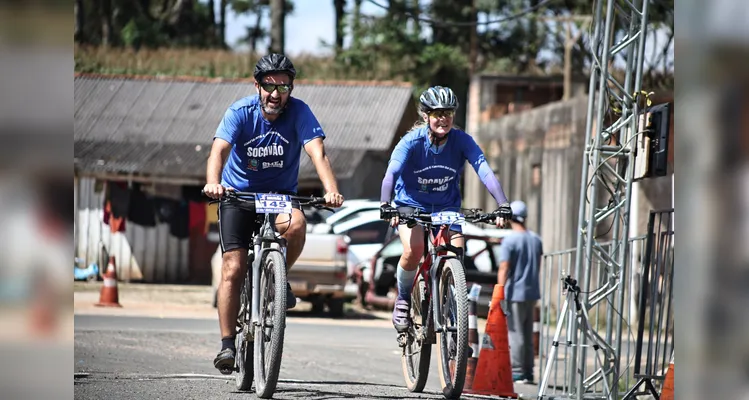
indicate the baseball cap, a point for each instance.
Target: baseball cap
{"x":519,"y":210}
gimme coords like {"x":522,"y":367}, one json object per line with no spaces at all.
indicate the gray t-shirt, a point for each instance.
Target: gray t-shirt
{"x":523,"y":251}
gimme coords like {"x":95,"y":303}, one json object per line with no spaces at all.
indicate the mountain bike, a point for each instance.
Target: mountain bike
{"x":262,"y":316}
{"x":439,"y":304}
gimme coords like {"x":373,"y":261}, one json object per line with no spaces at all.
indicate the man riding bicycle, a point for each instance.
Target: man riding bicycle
{"x":260,"y":139}
{"x":428,"y":163}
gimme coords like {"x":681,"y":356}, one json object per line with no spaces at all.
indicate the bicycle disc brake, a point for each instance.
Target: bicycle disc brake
{"x":402,"y":339}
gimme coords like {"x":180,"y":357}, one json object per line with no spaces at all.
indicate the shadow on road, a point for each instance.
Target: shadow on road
{"x":350,"y":314}
{"x":348,"y":390}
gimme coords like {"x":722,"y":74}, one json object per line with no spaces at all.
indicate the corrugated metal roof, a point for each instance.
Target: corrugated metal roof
{"x":181,"y":160}
{"x":353,"y":117}
{"x":131,"y":122}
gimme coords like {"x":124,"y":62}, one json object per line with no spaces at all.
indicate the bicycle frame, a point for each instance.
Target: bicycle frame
{"x":435,"y":253}
{"x":264,"y":241}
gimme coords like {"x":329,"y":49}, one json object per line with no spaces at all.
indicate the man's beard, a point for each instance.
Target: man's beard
{"x":273,"y":109}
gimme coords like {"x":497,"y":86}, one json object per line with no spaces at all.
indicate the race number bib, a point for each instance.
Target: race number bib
{"x":273,"y":204}
{"x":448,"y":218}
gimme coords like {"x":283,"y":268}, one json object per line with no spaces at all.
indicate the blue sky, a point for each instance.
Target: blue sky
{"x":311,"y":22}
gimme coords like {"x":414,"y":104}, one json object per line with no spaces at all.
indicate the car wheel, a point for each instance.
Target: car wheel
{"x":336,"y":307}
{"x":318,"y":305}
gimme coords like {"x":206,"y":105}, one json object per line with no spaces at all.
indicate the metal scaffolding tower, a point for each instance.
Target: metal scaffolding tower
{"x":614,"y":104}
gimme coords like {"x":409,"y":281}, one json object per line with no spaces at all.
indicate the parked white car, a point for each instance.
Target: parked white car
{"x":366,"y":232}
{"x":350,"y":210}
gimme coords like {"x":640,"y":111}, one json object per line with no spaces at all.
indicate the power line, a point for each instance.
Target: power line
{"x":466,"y":24}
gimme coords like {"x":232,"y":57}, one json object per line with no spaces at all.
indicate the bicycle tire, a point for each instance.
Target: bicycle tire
{"x":416,"y":372}
{"x":267,"y":366}
{"x":245,"y":367}
{"x":453,"y":381}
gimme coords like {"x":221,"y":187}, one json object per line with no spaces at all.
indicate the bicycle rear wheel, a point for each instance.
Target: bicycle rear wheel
{"x":418,"y":349}
{"x":244,"y":345}
{"x":269,"y":332}
{"x":453,"y":339}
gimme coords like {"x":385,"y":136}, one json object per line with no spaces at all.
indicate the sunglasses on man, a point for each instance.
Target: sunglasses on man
{"x":270,"y":87}
{"x":441,"y":113}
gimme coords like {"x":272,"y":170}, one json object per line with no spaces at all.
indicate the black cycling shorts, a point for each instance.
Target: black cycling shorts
{"x":238,"y":223}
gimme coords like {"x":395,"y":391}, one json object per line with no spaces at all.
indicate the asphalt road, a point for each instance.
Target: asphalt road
{"x":120,"y":357}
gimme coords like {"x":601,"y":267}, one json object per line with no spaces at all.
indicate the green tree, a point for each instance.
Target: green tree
{"x":146,"y":23}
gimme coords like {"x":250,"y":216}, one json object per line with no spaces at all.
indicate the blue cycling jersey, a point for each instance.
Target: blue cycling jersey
{"x":428,"y":177}
{"x":265,"y":155}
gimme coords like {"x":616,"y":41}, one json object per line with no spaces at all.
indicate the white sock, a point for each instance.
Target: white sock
{"x":405,"y":282}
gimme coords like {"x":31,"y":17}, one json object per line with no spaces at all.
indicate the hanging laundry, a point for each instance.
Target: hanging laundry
{"x":141,"y":207}
{"x":165,"y":209}
{"x":179,"y":225}
{"x":197,"y":216}
{"x":211,"y":216}
{"x":116,"y":224}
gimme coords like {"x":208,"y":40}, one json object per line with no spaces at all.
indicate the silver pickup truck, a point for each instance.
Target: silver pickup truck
{"x":319,"y":276}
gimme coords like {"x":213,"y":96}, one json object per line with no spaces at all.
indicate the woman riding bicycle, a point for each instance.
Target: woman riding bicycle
{"x":425,"y":169}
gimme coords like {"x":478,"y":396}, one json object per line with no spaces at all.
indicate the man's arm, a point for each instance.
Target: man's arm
{"x":504,"y":269}
{"x":219,"y":152}
{"x":216,"y":159}
{"x":316,"y":151}
{"x":505,"y":256}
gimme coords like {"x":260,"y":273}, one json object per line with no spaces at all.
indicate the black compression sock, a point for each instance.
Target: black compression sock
{"x":227,"y":343}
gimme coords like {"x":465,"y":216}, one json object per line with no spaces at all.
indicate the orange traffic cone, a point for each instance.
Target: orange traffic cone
{"x":494,"y":370}
{"x":109,"y":297}
{"x":668,"y":385}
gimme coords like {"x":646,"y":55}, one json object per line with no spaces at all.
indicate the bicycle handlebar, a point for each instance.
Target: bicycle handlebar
{"x":317,"y":202}
{"x":474,"y":215}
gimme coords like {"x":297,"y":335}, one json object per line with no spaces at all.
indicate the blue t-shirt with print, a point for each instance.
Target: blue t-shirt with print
{"x":430,"y":179}
{"x":265,"y":155}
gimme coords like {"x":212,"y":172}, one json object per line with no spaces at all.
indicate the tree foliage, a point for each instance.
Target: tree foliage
{"x":436,"y":42}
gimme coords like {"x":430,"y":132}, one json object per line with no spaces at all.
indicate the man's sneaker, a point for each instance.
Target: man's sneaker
{"x":401,"y":319}
{"x":522,"y":378}
{"x":224,"y":361}
{"x":290,"y":297}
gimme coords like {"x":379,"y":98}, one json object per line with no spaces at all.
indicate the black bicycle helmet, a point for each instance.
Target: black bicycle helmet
{"x":438,"y":98}
{"x":274,"y":63}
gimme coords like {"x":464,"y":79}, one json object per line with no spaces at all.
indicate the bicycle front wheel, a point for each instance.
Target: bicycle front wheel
{"x":453,"y":338}
{"x":269,"y":332}
{"x":418,"y":349}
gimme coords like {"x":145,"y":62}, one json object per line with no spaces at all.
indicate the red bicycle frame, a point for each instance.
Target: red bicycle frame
{"x":439,"y":241}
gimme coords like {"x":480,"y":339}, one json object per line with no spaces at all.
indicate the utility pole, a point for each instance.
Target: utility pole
{"x":569,"y":43}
